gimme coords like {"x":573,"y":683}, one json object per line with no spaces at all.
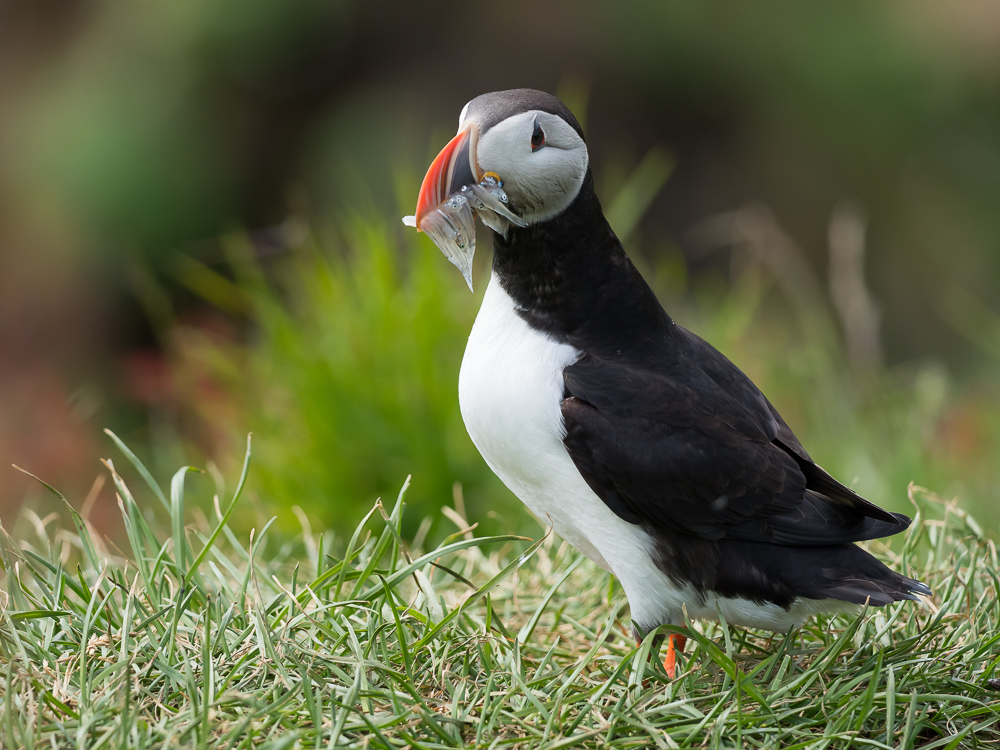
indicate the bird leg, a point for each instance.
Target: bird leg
{"x":670,"y":660}
{"x":675,"y":643}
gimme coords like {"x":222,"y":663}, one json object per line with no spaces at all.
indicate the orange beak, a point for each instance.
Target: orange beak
{"x":454,"y":167}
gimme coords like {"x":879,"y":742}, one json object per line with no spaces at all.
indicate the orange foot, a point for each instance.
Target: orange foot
{"x":670,"y":661}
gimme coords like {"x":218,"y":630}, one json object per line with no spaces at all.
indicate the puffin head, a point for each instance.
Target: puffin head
{"x":519,"y":158}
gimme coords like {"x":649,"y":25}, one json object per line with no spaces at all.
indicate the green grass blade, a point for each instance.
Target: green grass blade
{"x":141,"y":468}
{"x":177,"y":518}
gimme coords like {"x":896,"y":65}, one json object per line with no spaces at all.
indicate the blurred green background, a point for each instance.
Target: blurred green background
{"x":200,"y":231}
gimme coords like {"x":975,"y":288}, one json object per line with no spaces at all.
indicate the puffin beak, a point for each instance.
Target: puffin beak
{"x":443,"y":209}
{"x":452,"y":194}
{"x":449,"y":172}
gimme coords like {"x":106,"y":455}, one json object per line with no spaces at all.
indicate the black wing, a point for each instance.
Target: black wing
{"x":689,"y":444}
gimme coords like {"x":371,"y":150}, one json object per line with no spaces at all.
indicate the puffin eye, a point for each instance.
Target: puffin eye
{"x":537,"y":138}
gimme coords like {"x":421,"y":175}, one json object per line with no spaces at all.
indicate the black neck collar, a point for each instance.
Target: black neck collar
{"x":570,"y":278}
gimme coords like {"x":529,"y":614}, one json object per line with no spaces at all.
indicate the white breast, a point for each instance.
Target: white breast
{"x":510,"y":389}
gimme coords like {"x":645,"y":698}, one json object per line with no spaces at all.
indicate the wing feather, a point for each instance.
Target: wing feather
{"x":692,"y":446}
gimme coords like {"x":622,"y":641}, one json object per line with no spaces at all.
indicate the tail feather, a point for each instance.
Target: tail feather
{"x":878,"y":593}
{"x":774,"y":573}
{"x":867,"y":581}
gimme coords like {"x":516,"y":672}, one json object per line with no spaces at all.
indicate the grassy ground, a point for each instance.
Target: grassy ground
{"x":194,"y":637}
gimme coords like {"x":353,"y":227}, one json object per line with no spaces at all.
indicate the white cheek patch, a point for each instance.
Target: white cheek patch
{"x":461,"y":117}
{"x":543,"y":183}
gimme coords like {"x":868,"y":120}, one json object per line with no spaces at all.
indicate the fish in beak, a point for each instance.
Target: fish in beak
{"x":453,"y":193}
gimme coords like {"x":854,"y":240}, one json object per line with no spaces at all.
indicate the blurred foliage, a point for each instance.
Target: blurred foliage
{"x":134,"y":135}
{"x":349,"y":379}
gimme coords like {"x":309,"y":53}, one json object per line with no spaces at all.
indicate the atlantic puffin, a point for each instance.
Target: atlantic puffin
{"x":637,"y":441}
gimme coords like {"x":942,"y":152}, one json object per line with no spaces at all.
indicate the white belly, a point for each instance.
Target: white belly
{"x":510,"y":390}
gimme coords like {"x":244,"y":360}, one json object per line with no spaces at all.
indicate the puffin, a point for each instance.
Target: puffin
{"x":634,"y":439}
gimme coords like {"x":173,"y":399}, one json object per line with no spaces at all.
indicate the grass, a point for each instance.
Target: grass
{"x":193,"y":636}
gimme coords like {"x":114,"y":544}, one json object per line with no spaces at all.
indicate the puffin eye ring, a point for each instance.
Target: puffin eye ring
{"x":537,"y":138}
